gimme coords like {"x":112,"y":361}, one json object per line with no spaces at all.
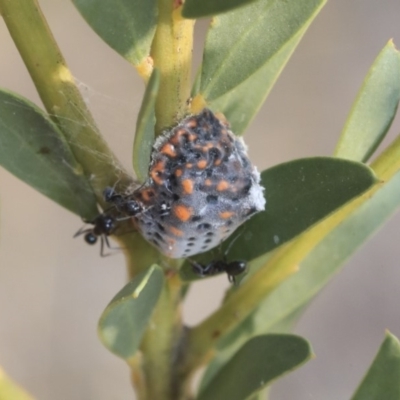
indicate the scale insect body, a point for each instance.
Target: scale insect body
{"x":201,"y":187}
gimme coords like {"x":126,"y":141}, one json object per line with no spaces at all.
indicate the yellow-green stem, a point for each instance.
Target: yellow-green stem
{"x":59,"y":93}
{"x":138,"y":252}
{"x":172,"y":55}
{"x":137,"y":376}
{"x":161,"y":344}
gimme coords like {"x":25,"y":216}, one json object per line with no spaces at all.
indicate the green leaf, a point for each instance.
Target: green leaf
{"x":374,"y":108}
{"x":10,"y":391}
{"x":242,"y":103}
{"x":383,"y":378}
{"x":34,"y":149}
{"x":328,"y":255}
{"x":230,"y":343}
{"x":204,"y":8}
{"x":232,"y":51}
{"x":317,"y":267}
{"x":261,"y":360}
{"x":299,"y":193}
{"x":127,"y":26}
{"x":144,"y":136}
{"x":260,"y":395}
{"x":125,"y":319}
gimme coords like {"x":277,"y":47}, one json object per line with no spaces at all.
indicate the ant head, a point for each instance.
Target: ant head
{"x":234,"y":268}
{"x":132,"y":208}
{"x":90,"y":238}
{"x":104,"y":224}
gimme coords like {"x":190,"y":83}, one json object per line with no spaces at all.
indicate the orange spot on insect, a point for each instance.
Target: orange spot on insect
{"x":189,"y":165}
{"x":192,"y":137}
{"x":147,"y":194}
{"x":177,"y":136}
{"x":157,"y":171}
{"x":217,"y":162}
{"x":187,"y":185}
{"x":176,"y":232}
{"x":202,"y":164}
{"x":178,"y":173}
{"x":225,"y":214}
{"x":183,"y":213}
{"x":223,"y":185}
{"x":168,"y":149}
{"x":192,"y":123}
{"x":208,"y":182}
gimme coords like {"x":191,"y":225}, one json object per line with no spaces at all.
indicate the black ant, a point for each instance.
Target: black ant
{"x":103,"y":226}
{"x":121,"y":202}
{"x":232,"y":268}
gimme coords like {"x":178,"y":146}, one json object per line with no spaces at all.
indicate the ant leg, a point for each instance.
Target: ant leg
{"x":232,"y":279}
{"x":108,"y":245}
{"x":201,"y":269}
{"x":104,"y":243}
{"x":82,"y":231}
{"x":198,"y":268}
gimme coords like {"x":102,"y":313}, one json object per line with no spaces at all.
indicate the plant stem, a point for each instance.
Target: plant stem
{"x":161,"y":344}
{"x":172,"y":55}
{"x":59,"y":93}
{"x":139,"y":254}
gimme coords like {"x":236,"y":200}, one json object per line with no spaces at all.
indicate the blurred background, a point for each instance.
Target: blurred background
{"x":53,"y":288}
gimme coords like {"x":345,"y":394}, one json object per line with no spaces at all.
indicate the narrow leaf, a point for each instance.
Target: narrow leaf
{"x":124,"y":320}
{"x":34,"y":149}
{"x":232,"y":51}
{"x":241,"y":104}
{"x":127,"y":26}
{"x":144,"y":136}
{"x":374,"y":108}
{"x":383,"y":378}
{"x":11,"y":391}
{"x":299,"y":193}
{"x":236,"y":338}
{"x":261,"y":360}
{"x":204,"y":8}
